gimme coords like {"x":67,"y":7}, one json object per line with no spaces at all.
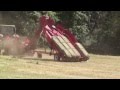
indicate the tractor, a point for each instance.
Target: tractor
{"x":10,"y":42}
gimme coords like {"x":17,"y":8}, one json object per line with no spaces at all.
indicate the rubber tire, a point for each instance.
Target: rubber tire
{"x":56,"y":58}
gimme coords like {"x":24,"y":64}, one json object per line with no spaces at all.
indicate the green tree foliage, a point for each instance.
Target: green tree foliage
{"x":53,"y":15}
{"x":77,"y":21}
{"x":66,"y":17}
{"x":80,"y":26}
{"x":25,"y":21}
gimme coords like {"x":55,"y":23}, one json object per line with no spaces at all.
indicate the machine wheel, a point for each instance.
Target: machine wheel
{"x":56,"y":57}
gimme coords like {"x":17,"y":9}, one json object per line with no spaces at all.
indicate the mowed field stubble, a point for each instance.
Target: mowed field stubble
{"x":97,"y":67}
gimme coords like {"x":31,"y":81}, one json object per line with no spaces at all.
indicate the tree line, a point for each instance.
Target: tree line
{"x":98,"y":31}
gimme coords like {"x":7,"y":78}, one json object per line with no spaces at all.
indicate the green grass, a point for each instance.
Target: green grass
{"x":99,"y":66}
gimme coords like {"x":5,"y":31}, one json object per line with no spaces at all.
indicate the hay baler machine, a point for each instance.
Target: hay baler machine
{"x":64,"y":45}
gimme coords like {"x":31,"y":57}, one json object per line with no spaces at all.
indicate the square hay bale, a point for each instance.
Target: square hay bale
{"x":76,"y":52}
{"x":72,"y":49}
{"x":66,"y":45}
{"x":60,"y":39}
{"x":69,"y":48}
{"x":70,"y":45}
{"x":65,"y":39}
{"x":55,"y":39}
{"x":72,"y":52}
{"x":61,"y":47}
{"x":82,"y":49}
{"x":67,"y":53}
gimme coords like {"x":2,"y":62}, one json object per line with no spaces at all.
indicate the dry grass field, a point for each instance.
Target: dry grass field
{"x":97,"y":67}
